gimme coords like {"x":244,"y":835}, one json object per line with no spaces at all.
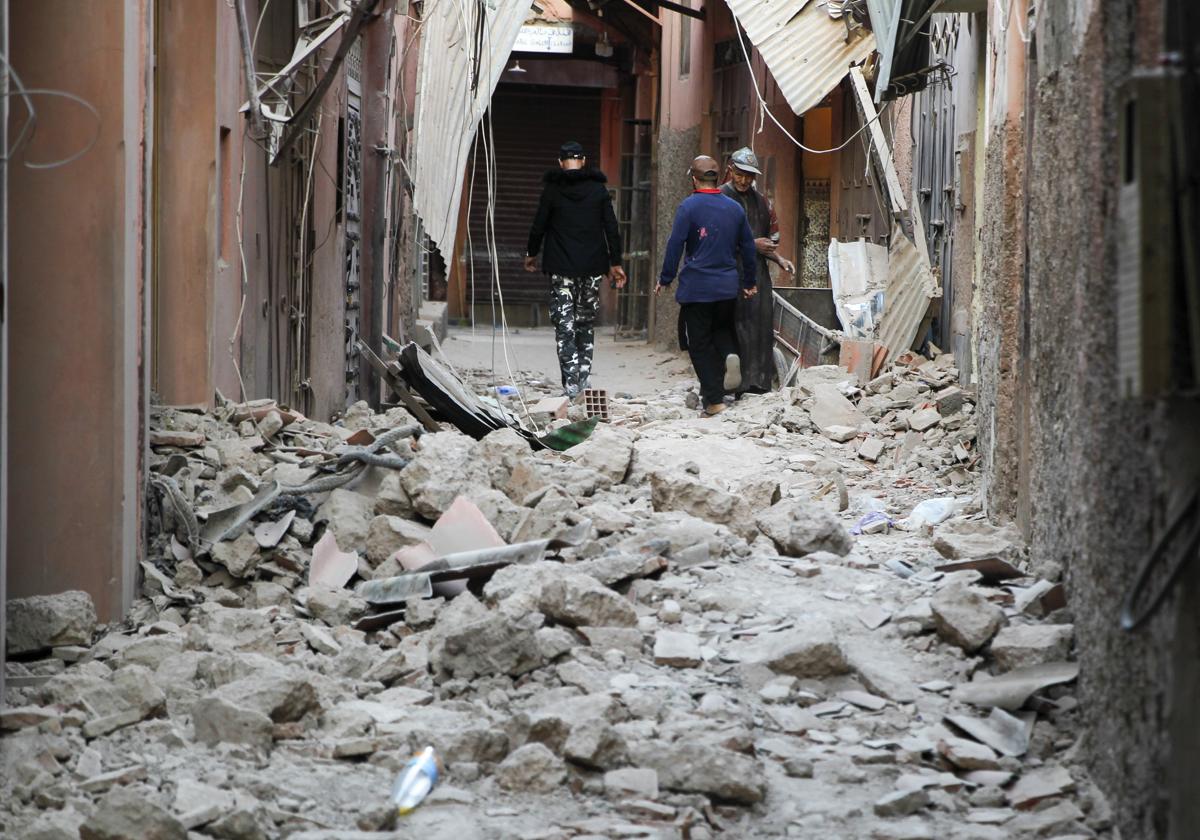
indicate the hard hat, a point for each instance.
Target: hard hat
{"x":745,"y":160}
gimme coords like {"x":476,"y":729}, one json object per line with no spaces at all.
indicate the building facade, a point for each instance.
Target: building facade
{"x":174,"y":234}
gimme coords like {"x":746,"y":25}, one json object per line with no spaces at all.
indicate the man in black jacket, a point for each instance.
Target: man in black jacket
{"x":575,"y":219}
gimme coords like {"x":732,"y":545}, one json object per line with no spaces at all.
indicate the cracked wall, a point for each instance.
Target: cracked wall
{"x":1089,"y":476}
{"x":676,"y":149}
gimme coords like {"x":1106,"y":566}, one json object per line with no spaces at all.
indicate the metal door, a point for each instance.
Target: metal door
{"x":934,"y":166}
{"x":528,"y":124}
{"x":352,"y":206}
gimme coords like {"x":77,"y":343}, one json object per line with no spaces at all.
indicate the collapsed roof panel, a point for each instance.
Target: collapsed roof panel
{"x":464,"y":50}
{"x":807,"y":51}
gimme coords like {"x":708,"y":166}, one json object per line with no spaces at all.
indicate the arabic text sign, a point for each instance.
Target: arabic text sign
{"x":545,"y":39}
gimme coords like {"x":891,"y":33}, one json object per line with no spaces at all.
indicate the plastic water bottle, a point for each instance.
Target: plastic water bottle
{"x":415,"y":781}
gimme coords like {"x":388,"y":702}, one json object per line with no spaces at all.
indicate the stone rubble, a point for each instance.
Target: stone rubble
{"x":718,"y":655}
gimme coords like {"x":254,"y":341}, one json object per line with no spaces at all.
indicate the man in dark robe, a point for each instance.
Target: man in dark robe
{"x":755,"y":316}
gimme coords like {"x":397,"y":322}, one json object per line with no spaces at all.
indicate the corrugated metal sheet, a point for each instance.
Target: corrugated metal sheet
{"x":448,"y":111}
{"x":901,"y":28}
{"x":885,"y":20}
{"x":801,"y":336}
{"x":805,"y":49}
{"x":911,"y":288}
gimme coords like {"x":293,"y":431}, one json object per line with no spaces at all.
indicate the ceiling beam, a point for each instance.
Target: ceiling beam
{"x":699,"y":14}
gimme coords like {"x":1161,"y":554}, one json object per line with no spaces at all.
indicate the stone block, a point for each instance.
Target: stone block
{"x":639,"y":782}
{"x":964,"y":617}
{"x":870,"y":449}
{"x":129,"y":814}
{"x":799,"y":527}
{"x":46,"y":621}
{"x":1019,"y":645}
{"x":531,"y":769}
{"x":676,"y":649}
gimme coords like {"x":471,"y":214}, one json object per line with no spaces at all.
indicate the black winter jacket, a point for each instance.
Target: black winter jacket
{"x":575,"y":218}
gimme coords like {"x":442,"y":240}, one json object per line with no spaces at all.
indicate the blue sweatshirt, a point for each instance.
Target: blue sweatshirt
{"x":714,"y":229}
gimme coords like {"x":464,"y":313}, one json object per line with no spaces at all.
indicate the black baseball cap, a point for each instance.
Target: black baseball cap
{"x":569,"y":150}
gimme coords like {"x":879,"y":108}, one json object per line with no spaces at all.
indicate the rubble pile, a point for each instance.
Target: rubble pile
{"x":771,"y":624}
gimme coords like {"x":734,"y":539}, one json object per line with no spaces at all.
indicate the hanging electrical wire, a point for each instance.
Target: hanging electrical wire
{"x":767,"y":110}
{"x":29,"y":129}
{"x":494,"y":259}
{"x":486,"y":127}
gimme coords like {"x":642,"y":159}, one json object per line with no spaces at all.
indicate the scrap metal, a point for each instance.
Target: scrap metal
{"x":299,"y":120}
{"x":807,"y":51}
{"x":463,"y":564}
{"x":471,"y":415}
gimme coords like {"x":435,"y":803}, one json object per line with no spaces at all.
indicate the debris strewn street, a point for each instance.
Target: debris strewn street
{"x":792,"y":620}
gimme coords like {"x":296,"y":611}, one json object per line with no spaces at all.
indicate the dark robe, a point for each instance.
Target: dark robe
{"x":755,"y":317}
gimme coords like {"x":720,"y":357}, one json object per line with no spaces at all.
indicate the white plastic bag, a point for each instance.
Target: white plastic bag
{"x":931,"y":512}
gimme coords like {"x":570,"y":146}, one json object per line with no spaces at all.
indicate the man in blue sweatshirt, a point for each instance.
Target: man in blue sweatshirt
{"x":710,"y":232}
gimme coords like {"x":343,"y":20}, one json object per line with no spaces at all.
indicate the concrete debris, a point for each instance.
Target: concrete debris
{"x":531,"y":769}
{"x":726,"y":775}
{"x":968,"y":755}
{"x":831,"y":410}
{"x":1010,"y":691}
{"x":1005,"y":733}
{"x":798,"y":528}
{"x":678,"y":650}
{"x":1063,"y":819}
{"x":639,"y":782}
{"x":48,"y":621}
{"x":667,"y":625}
{"x":973,"y":540}
{"x":1022,"y":645}
{"x":1039,"y":785}
{"x":902,"y":803}
{"x":129,"y":814}
{"x":468,"y":640}
{"x":965,"y":617}
{"x":810,"y":650}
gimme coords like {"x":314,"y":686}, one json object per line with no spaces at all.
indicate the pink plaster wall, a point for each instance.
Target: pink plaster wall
{"x":685,"y":99}
{"x":75,"y":308}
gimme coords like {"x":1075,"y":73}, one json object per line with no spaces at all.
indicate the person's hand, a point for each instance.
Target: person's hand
{"x":765,"y":246}
{"x":530,"y":264}
{"x":618,"y":276}
{"x":786,"y":265}
{"x":658,"y":287}
{"x":749,"y":293}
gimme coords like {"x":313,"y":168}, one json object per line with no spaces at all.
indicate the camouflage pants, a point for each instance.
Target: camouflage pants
{"x":573,"y":303}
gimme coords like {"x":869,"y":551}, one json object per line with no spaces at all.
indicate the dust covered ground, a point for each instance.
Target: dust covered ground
{"x":717,"y":655}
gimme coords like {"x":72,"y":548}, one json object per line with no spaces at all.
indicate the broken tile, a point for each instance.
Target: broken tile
{"x":676,"y":649}
{"x":330,"y":565}
{"x":874,"y":617}
{"x":1040,"y":784}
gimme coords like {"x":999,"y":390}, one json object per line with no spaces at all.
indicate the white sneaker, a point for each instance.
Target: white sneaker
{"x":733,"y":372}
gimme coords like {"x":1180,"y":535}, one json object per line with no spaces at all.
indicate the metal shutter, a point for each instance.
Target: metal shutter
{"x":528,"y":125}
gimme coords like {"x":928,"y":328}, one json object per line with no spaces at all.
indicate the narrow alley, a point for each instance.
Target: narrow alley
{"x":596,"y":419}
{"x":704,"y":648}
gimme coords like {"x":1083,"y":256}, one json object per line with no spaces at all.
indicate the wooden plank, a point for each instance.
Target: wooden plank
{"x":880,"y":149}
{"x":682,"y":9}
{"x":398,"y":387}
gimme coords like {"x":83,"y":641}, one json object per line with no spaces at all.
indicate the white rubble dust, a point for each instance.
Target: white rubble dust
{"x":719,"y":656}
